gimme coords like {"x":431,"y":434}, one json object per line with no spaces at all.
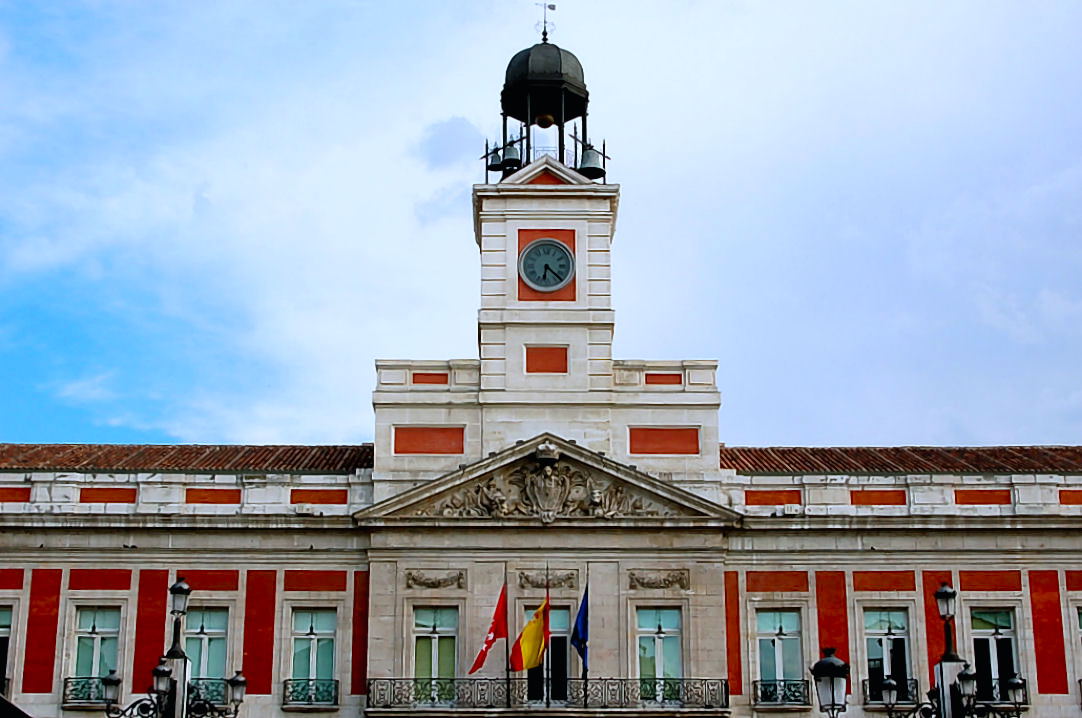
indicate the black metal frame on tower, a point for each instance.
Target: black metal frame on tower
{"x":544,"y":87}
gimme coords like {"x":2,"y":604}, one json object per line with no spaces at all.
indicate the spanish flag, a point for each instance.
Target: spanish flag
{"x":529,"y":649}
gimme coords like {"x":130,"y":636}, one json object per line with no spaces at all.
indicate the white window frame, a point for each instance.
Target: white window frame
{"x":414,"y":633}
{"x":526,"y":611}
{"x":103,"y":604}
{"x":778,"y":652}
{"x":911,"y":617}
{"x":321,"y":600}
{"x":192,"y":632}
{"x":409,"y":659}
{"x":779,"y":601}
{"x":313,"y":638}
{"x":685,"y":632}
{"x":989,"y":601}
{"x":13,"y":654}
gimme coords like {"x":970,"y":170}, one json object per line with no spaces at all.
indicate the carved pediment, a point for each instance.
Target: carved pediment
{"x":545,"y":480}
{"x":547,"y":491}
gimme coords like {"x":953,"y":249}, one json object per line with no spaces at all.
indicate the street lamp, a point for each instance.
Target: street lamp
{"x":831,"y":675}
{"x":946,"y":599}
{"x":161,"y":700}
{"x":962,"y":692}
{"x":178,"y":597}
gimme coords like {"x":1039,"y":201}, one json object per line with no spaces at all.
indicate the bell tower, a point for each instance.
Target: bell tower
{"x":544,"y":225}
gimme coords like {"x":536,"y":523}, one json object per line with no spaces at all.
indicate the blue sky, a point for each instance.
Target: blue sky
{"x":214,"y":216}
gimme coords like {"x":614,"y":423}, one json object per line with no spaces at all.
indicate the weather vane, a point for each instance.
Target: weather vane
{"x":545,"y":25}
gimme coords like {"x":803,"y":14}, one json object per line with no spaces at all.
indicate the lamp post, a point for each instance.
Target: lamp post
{"x":168,"y":697}
{"x":956,"y":699}
{"x":946,"y":599}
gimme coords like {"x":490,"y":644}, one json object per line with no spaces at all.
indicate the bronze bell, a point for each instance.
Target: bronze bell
{"x":495,"y":164}
{"x":512,"y":160}
{"x":590,"y":165}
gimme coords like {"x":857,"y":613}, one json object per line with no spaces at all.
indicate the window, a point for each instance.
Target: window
{"x":660,"y":653}
{"x":781,"y":662}
{"x":5,"y":640}
{"x":313,"y":657}
{"x":886,"y":639}
{"x":97,"y":633}
{"x":556,"y":660}
{"x":995,"y":651}
{"x":434,"y":653}
{"x":205,"y":643}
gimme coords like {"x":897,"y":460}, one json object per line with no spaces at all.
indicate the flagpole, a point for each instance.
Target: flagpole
{"x":507,"y":644}
{"x":545,"y":658}
{"x":586,"y":662}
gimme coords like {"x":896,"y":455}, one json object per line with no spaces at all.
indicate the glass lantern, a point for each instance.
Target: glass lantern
{"x":831,"y":676}
{"x":890,"y":692}
{"x":1016,"y":690}
{"x":178,"y":596}
{"x":967,"y":682}
{"x":238,"y":686}
{"x":946,"y":599}
{"x":163,"y":677}
{"x":110,"y":687}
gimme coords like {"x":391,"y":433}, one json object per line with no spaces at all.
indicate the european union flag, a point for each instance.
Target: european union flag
{"x":580,"y":634}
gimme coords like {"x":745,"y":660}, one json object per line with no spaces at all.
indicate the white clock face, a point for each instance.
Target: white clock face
{"x":546,"y":265}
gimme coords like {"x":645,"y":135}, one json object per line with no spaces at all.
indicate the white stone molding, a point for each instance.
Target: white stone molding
{"x":419,"y":579}
{"x":551,"y":579}
{"x":640,"y":579}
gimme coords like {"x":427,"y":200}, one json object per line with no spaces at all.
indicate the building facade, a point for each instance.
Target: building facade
{"x":363,"y":579}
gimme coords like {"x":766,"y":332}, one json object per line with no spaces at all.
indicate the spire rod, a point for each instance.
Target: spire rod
{"x":545,"y":7}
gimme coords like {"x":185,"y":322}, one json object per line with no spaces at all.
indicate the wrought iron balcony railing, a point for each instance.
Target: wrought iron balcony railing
{"x":784,"y":692}
{"x":407,"y":693}
{"x":212,"y":690}
{"x":83,"y":690}
{"x":908,"y":691}
{"x":310,"y":692}
{"x":995,"y":690}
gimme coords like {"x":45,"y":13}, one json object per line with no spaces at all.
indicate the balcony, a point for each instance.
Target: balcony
{"x":908,"y":692}
{"x":80,"y":692}
{"x":212,"y":690}
{"x":408,"y":695}
{"x":781,"y":693}
{"x":994,"y":690}
{"x":301,"y":693}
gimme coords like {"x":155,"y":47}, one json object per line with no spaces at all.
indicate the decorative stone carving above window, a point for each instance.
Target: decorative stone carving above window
{"x":556,"y":579}
{"x":420,"y":579}
{"x":547,"y":489}
{"x":680,"y":578}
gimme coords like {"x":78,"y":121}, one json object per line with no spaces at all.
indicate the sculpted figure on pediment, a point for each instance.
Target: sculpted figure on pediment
{"x":545,"y":489}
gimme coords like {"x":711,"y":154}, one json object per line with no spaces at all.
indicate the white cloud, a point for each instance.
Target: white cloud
{"x":95,"y":388}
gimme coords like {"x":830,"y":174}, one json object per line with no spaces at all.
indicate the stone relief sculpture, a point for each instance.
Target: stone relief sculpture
{"x":546,"y":488}
{"x":415,"y":579}
{"x":556,"y":579}
{"x":659,"y":579}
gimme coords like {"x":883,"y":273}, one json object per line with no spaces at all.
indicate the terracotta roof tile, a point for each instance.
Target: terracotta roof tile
{"x":346,"y":459}
{"x":903,"y":460}
{"x":185,"y":457}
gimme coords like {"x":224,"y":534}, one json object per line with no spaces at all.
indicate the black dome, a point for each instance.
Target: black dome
{"x":542,"y":74}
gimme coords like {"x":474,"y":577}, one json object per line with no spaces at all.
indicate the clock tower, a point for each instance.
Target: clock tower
{"x":545,"y":324}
